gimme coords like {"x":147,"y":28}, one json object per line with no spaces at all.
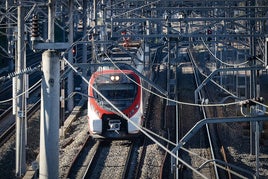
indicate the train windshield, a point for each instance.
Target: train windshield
{"x":122,"y":95}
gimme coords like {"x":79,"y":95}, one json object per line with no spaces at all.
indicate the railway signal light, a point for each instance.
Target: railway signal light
{"x":209,"y":32}
{"x":74,"y":51}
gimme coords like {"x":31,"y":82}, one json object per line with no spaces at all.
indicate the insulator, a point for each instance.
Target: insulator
{"x":259,"y":99}
{"x":252,"y":103}
{"x":245,"y":104}
{"x":35,"y":27}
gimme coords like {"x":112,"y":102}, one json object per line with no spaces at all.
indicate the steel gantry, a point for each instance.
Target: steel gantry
{"x":231,"y":24}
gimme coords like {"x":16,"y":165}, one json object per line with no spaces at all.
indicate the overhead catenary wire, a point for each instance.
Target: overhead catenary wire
{"x":202,"y":158}
{"x":132,"y":10}
{"x":237,"y":102}
{"x":133,"y":123}
{"x":227,"y":64}
{"x":30,"y":69}
{"x":21,"y":72}
{"x":148,"y":90}
{"x":24,"y":92}
{"x":175,"y":101}
{"x":144,"y":131}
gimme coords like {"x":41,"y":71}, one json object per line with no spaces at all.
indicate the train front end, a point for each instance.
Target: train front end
{"x":123,"y":91}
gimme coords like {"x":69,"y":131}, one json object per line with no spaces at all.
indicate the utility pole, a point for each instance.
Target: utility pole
{"x":84,"y":49}
{"x":266,"y":52}
{"x":70,"y":87}
{"x":253,"y":77}
{"x":20,"y":101}
{"x":50,"y":98}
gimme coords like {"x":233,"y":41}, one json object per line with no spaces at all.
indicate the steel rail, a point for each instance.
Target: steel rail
{"x":126,"y":169}
{"x":74,"y":163}
{"x":11,"y":130}
{"x":197,"y":80}
{"x":91,"y":161}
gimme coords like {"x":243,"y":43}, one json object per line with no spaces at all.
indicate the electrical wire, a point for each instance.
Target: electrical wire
{"x":26,"y":91}
{"x":129,"y":120}
{"x":240,"y":101}
{"x":21,"y":72}
{"x":227,"y":64}
{"x":175,"y":101}
{"x":132,"y":10}
{"x":200,"y":157}
{"x":143,"y":130}
{"x":163,"y":97}
{"x":206,"y":76}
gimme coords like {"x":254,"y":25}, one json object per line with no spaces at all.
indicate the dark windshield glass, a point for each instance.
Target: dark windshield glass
{"x":117,"y":91}
{"x":121,"y":95}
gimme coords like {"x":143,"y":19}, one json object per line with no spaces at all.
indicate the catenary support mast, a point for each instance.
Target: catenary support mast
{"x":70,"y":87}
{"x":20,"y":100}
{"x":50,"y":94}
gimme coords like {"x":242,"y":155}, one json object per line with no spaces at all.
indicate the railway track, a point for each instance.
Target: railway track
{"x":216,"y":149}
{"x":199,"y":149}
{"x":105,"y":159}
{"x":111,"y":160}
{"x":219,"y":162}
{"x":82,"y":159}
{"x":7,"y":119}
{"x":130,"y":159}
{"x":210,"y":136}
{"x":9,"y":130}
{"x":153,"y":159}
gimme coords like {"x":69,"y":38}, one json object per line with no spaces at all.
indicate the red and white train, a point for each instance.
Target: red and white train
{"x":123,"y":89}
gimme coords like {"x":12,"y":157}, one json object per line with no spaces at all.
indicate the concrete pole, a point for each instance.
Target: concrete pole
{"x":49,"y":126}
{"x":70,"y":87}
{"x":50,"y":104}
{"x":51,"y":20}
{"x":95,"y":12}
{"x":20,"y":116}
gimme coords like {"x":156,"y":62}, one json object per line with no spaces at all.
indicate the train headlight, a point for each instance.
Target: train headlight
{"x":115,"y":78}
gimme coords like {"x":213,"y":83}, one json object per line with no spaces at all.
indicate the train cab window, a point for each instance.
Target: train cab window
{"x":120,"y":94}
{"x":120,"y":90}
